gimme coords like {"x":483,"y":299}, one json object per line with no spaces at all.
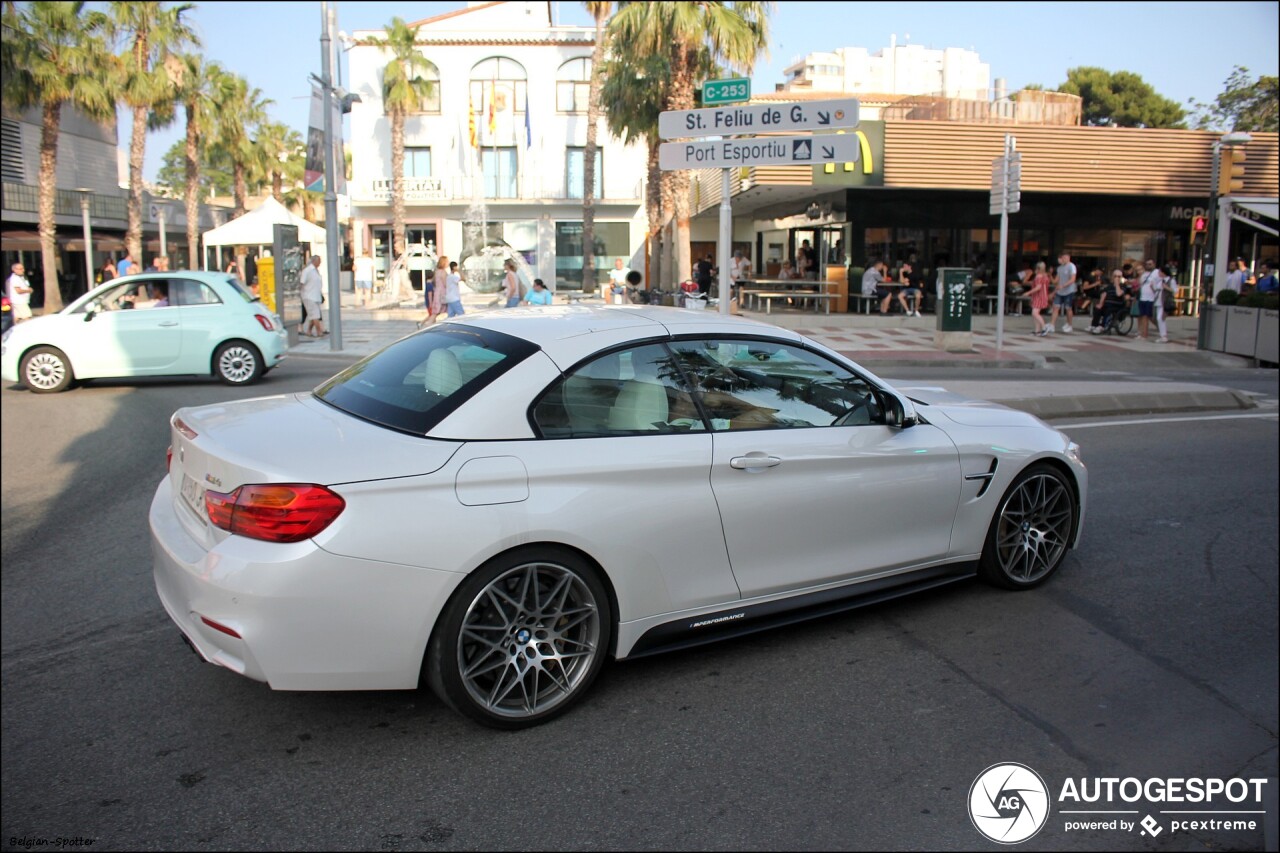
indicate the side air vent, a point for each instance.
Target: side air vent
{"x":985,"y":478}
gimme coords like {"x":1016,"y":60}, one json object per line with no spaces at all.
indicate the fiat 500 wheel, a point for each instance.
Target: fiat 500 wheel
{"x":45,"y":370}
{"x":521,"y":640}
{"x":1031,"y":530}
{"x":237,"y":363}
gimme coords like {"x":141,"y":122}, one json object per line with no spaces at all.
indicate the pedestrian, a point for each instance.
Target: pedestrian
{"x":1267,"y":279}
{"x":788,"y":272}
{"x":805,"y":260}
{"x":126,"y":265}
{"x":1151,"y":292}
{"x":1090,"y":291}
{"x":539,"y":295}
{"x":617,"y":275}
{"x":913,"y":286}
{"x":1064,"y":294}
{"x":1235,"y":278}
{"x":453,"y":291}
{"x":1113,"y":299}
{"x":1039,"y":297}
{"x":18,"y":289}
{"x":702,"y":274}
{"x":312,"y":286}
{"x":107,"y":272}
{"x":511,"y":285}
{"x":873,"y":284}
{"x":1017,"y":288}
{"x":233,"y":268}
{"x":363,"y":274}
{"x":739,"y":268}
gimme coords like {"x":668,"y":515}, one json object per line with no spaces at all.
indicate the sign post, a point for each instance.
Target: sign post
{"x":729,"y":150}
{"x":1006,"y":198}
{"x":732,"y":90}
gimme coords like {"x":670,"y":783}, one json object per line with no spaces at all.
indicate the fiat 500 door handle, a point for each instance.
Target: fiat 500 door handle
{"x":752,"y":461}
{"x":169,"y":323}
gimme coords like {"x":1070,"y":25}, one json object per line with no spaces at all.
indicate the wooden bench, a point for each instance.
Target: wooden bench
{"x":985,"y":303}
{"x":768,"y":297}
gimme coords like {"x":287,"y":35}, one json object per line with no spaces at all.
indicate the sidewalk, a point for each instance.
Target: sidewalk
{"x":883,"y":343}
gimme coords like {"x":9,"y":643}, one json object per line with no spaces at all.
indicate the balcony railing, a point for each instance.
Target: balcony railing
{"x":463,"y":188}
{"x":26,"y":199}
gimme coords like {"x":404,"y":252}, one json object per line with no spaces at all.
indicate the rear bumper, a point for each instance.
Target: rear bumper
{"x":306,"y":619}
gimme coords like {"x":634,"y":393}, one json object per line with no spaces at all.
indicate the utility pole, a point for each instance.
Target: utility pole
{"x":331,"y":241}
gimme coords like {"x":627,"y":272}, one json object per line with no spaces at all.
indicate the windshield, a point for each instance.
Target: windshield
{"x":416,"y":382}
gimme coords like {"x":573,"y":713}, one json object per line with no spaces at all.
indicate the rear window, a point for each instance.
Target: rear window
{"x":417,"y":382}
{"x":245,"y":293}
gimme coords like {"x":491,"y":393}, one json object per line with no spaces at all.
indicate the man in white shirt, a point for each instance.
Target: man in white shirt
{"x":618,"y":275}
{"x":312,"y":293}
{"x":1236,"y":278}
{"x":739,"y":267}
{"x":18,"y":289}
{"x":363,"y":269}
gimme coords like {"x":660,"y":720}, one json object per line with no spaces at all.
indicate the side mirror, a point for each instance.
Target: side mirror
{"x":899,"y":412}
{"x":91,"y":310}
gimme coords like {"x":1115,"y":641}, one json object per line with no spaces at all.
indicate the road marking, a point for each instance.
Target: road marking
{"x":1267,"y":416}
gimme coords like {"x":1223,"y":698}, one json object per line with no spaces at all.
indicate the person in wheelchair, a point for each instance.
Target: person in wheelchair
{"x":1111,"y":301}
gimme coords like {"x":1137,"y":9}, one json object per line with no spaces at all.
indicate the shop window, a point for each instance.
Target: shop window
{"x":575,"y":169}
{"x":612,"y":240}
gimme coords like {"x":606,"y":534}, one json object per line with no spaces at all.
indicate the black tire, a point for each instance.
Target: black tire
{"x":1123,"y":324}
{"x":549,"y":615}
{"x":1031,"y":530}
{"x":238,"y":363}
{"x":46,"y":370}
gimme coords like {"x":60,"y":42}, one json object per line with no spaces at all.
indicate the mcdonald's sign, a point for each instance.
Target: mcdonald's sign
{"x":868,"y":171}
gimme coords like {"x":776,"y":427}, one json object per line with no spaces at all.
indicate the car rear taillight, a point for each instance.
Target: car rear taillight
{"x":182,"y":427}
{"x":265,"y":322}
{"x":168,"y":458}
{"x":274,"y":512}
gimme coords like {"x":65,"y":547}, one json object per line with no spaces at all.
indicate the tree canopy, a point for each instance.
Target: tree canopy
{"x":1244,"y":104}
{"x":1121,"y":99}
{"x":215,"y":171}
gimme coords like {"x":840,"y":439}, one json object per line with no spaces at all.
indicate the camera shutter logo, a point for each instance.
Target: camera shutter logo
{"x":1008,"y":803}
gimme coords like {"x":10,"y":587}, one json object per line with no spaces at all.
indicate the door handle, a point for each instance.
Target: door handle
{"x":750,"y":462}
{"x":169,"y":323}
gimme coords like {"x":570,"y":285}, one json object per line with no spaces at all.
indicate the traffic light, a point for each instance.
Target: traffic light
{"x":1231,"y":170}
{"x":1199,"y":230}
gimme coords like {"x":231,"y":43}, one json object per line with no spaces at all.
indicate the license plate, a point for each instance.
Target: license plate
{"x":193,"y":494}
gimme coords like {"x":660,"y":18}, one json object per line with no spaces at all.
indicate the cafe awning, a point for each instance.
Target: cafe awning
{"x":19,"y":241}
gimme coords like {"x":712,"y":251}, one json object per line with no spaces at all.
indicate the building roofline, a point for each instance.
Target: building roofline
{"x":455,"y":13}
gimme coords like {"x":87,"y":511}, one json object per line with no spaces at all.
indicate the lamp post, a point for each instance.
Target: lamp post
{"x":86,"y":200}
{"x":327,"y":15}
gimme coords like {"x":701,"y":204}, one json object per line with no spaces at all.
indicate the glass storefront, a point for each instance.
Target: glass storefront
{"x":612,"y":239}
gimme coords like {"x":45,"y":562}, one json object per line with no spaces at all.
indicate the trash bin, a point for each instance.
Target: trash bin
{"x":954,"y":310}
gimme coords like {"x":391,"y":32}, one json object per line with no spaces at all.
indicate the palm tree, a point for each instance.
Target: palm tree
{"x":403,"y":90}
{"x":240,"y":113}
{"x":151,"y":34}
{"x":733,"y":34}
{"x":632,"y":94}
{"x":600,"y":10}
{"x":279,"y":150}
{"x":202,"y":86}
{"x":53,"y":54}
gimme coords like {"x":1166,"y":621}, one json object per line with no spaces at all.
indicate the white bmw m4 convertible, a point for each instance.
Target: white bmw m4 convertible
{"x":500,"y":503}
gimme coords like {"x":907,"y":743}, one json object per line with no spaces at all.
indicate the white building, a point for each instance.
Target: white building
{"x":899,"y":69}
{"x":522,"y":83}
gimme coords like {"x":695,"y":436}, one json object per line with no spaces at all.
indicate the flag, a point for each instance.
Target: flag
{"x":471,"y":123}
{"x":528,"y":128}
{"x":493,"y":116}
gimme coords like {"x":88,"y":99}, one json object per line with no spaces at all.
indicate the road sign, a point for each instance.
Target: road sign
{"x":760,"y":151}
{"x":1006,"y":184}
{"x":759,"y":118}
{"x":734,"y":90}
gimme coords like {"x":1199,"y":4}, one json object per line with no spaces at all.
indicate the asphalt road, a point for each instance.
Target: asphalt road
{"x":1152,"y":653}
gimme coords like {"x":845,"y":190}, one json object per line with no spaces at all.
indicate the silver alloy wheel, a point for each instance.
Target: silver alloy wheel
{"x":45,"y":371}
{"x":1034,"y":528}
{"x":528,"y":640}
{"x":237,"y":363}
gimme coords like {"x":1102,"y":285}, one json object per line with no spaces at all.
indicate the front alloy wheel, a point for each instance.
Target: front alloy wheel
{"x":521,"y":640}
{"x":237,"y":363}
{"x":1031,"y":531}
{"x":45,"y":370}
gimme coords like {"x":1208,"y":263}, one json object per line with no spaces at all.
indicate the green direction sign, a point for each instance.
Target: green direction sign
{"x":732,"y":91}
